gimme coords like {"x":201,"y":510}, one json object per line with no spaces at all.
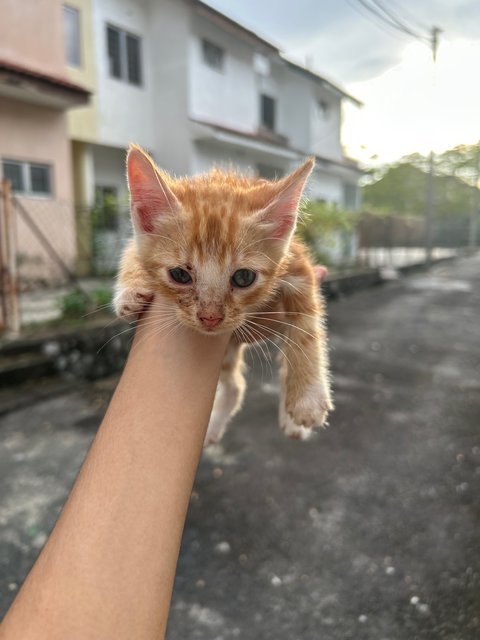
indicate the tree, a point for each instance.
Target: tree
{"x":401,"y":187}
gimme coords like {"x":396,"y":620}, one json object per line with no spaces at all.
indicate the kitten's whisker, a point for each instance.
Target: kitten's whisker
{"x":248,"y":339}
{"x":257,"y":344}
{"x":161,"y":327}
{"x":277,"y":347}
{"x":289,"y":324}
{"x":282,"y":313}
{"x":287,"y":340}
{"x":102,"y":307}
{"x":113,"y":337}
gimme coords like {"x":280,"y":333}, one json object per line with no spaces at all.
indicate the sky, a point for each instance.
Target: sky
{"x":410,"y":104}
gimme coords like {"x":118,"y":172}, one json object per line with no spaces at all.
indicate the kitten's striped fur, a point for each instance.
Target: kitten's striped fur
{"x":211,"y":226}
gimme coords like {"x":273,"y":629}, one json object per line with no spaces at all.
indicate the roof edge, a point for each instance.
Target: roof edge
{"x":45,"y":78}
{"x":321,"y":80}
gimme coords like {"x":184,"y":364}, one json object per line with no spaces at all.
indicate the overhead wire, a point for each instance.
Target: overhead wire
{"x":386,"y":17}
{"x":394,"y":16}
{"x":380,"y":24}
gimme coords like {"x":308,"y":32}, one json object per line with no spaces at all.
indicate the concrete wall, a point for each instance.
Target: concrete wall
{"x":31,"y":34}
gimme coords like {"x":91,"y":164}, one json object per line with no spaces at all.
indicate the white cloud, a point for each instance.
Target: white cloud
{"x":405,"y":111}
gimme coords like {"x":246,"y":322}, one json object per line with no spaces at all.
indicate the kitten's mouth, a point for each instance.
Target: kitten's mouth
{"x":210,"y":322}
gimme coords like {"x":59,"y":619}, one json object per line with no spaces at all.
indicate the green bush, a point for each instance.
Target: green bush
{"x":320,"y":224}
{"x":78,"y":303}
{"x":101,"y":297}
{"x":75,"y":304}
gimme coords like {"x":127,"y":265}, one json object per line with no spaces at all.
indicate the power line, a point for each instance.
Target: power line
{"x":392,"y":23}
{"x":394,"y":15}
{"x":389,"y":21}
{"x":380,"y":24}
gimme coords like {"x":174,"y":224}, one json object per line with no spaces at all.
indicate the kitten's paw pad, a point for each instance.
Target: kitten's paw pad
{"x":129,"y":303}
{"x":311,"y":410}
{"x":292,"y":430}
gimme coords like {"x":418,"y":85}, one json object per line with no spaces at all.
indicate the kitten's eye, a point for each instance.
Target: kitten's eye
{"x":180,"y":275}
{"x":243,"y":278}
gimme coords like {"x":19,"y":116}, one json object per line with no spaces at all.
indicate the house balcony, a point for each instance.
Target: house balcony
{"x":263,"y":141}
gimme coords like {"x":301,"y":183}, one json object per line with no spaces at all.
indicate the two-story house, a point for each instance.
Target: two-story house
{"x":195,"y":88}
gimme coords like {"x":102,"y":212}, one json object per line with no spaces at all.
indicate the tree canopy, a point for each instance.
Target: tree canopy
{"x":400,"y":188}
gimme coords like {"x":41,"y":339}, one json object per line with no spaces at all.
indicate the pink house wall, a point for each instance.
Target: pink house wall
{"x":31,"y":34}
{"x":38,"y":134}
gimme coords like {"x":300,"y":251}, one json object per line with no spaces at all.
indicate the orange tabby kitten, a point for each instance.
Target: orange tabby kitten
{"x":218,"y":253}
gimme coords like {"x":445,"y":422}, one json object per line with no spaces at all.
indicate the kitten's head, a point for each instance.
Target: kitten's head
{"x":213,"y":245}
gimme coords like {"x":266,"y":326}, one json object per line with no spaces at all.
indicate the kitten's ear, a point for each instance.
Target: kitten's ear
{"x":150,"y":196}
{"x":280,"y":214}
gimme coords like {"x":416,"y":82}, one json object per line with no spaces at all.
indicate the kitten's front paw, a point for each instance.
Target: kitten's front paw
{"x":129,"y":303}
{"x":290,"y":428}
{"x":312,"y":408}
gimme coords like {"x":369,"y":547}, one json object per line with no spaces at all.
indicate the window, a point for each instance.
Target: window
{"x":267,"y":112}
{"x":105,"y":215}
{"x":350,"y":195}
{"x":71,"y":19}
{"x":323,"y":109}
{"x":213,"y":56}
{"x":124,"y":55}
{"x":28,"y":178}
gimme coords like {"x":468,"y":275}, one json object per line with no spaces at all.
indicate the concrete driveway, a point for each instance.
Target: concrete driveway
{"x":370,"y":531}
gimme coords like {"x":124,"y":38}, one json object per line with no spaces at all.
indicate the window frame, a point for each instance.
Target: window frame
{"x":208,"y":44}
{"x":124,"y":68}
{"x":324,"y":109}
{"x":26,"y":176}
{"x":264,"y":97}
{"x":67,"y":8}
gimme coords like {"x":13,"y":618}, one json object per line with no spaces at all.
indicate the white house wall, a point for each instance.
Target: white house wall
{"x":323,"y":186}
{"x":169,"y":135}
{"x":206,"y":156}
{"x":227,"y":97}
{"x":125,"y":111}
{"x":293,"y":110}
{"x":325,"y":129}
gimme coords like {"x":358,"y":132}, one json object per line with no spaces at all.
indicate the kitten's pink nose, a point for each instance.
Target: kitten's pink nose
{"x":210,"y":321}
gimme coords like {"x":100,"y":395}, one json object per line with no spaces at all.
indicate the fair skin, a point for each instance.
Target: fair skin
{"x":108,"y":567}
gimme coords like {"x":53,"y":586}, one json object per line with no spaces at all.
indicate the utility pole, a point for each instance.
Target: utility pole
{"x":429,"y":208}
{"x":472,"y":228}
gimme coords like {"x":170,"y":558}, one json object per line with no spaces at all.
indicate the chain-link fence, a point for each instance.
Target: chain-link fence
{"x":48,"y":249}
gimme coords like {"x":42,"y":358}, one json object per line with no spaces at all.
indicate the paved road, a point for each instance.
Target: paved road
{"x":370,"y":532}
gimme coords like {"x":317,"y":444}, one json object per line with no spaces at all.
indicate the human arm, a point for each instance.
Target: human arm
{"x":108,"y":567}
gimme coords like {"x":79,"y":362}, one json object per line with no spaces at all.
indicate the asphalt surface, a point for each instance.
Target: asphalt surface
{"x":368,"y":532}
